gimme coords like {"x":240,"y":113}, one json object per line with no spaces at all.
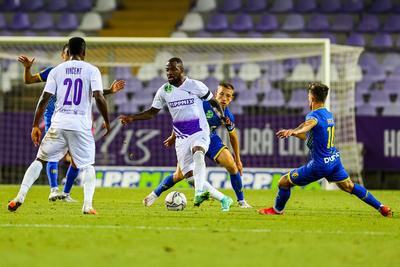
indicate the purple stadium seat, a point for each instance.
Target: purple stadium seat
{"x":68,"y":22}
{"x":274,"y":70}
{"x":20,"y":22}
{"x":230,"y":6}
{"x":356,"y":39}
{"x":367,"y":61}
{"x":392,"y":24}
{"x":123,"y":73}
{"x":255,"y":5}
{"x":379,"y":98}
{"x":315,"y":62}
{"x":32,"y":5}
{"x":375,"y":74}
{"x":363,"y":86}
{"x":203,"y":34}
{"x":211,"y":82}
{"x":120,"y":98}
{"x":366,"y":110}
{"x":305,"y":6}
{"x":392,"y":86}
{"x":261,"y":85}
{"x":56,"y":6}
{"x":81,"y":5}
{"x":3,"y":23}
{"x":330,"y":6}
{"x":43,"y":21}
{"x":382,"y":40}
{"x":368,"y":23}
{"x":273,"y":98}
{"x":291,"y":63}
{"x":239,"y":84}
{"x":298,"y":99}
{"x":393,"y":109}
{"x":293,"y":22}
{"x":381,"y":6}
{"x":247,"y":98}
{"x":10,"y":5}
{"x":391,"y":61}
{"x":217,"y":23}
{"x":133,"y":84}
{"x":353,"y":6}
{"x":318,"y":23}
{"x":242,"y":23}
{"x":281,"y":6}
{"x":343,"y":23}
{"x":331,"y":36}
{"x":267,"y":23}
{"x":155,"y":83}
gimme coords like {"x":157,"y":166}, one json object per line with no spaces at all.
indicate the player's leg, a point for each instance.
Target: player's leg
{"x":225,"y":159}
{"x":72,"y":174}
{"x":51,"y":169}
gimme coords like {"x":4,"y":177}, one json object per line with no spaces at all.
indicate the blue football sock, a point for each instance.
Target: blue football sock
{"x":165,"y":184}
{"x":52,"y":173}
{"x":236,"y":182}
{"x":281,"y":199}
{"x":365,"y":196}
{"x":72,"y":173}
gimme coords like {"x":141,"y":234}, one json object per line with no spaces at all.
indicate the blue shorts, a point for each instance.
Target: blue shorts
{"x":311,"y":172}
{"x":47,"y":124}
{"x":215,"y":148}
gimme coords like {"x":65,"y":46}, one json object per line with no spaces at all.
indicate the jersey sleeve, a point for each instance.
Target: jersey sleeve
{"x":96,"y":83}
{"x":230,"y":126}
{"x":51,"y":84}
{"x":311,"y":116}
{"x":158,"y":101}
{"x":43,"y":74}
{"x":203,"y":92}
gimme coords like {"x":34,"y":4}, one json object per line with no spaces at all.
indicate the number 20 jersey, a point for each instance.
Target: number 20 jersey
{"x":73,"y":82}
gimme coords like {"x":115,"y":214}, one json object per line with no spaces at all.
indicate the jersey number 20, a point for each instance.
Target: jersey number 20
{"x":331,"y":136}
{"x":77,"y":95}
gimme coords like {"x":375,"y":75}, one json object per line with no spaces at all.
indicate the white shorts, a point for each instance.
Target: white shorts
{"x":184,"y":149}
{"x":57,"y":142}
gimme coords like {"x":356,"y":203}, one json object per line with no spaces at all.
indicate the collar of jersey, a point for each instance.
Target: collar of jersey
{"x":186,"y":78}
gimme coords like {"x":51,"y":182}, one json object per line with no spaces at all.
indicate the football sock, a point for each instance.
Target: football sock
{"x":165,"y":184}
{"x":281,"y":199}
{"x":31,"y":175}
{"x":236,"y":182}
{"x":214,"y":193}
{"x":89,"y":184}
{"x":72,"y":173}
{"x":199,"y":172}
{"x":52,"y":173}
{"x":365,"y":196}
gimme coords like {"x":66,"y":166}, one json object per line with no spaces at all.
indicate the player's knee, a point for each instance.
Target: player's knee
{"x":231,"y":168}
{"x":284,"y":182}
{"x":177,"y":177}
{"x":346,"y":186}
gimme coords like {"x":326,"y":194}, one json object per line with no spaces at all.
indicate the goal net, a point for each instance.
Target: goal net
{"x":270,"y":77}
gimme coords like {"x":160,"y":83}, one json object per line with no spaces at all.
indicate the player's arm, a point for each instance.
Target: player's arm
{"x":28,"y":77}
{"x":215,"y":104}
{"x":233,"y":138}
{"x":102,"y":107}
{"x":145,"y":115}
{"x":115,"y":87}
{"x":40,"y":108}
{"x":299,"y":132}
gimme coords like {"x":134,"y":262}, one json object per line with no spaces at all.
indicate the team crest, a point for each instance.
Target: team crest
{"x":209,"y":114}
{"x":295,"y":174}
{"x":168,"y":88}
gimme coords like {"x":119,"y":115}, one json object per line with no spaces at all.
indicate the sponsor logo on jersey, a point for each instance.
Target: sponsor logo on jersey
{"x":168,"y":88}
{"x":209,"y":114}
{"x":183,"y":102}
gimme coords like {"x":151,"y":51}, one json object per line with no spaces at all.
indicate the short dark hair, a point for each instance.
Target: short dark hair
{"x":76,"y":45}
{"x":176,"y":60}
{"x":227,"y":85}
{"x":65,"y":46}
{"x":319,"y":91}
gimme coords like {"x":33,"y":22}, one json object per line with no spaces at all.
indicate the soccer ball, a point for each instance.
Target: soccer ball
{"x":175,"y":201}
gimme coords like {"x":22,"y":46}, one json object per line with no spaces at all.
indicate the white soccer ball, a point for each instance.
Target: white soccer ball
{"x":175,"y":201}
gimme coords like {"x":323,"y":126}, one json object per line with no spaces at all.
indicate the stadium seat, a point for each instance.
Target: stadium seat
{"x":3,"y":24}
{"x":247,"y":98}
{"x":356,"y":39}
{"x":211,"y":82}
{"x":331,"y":36}
{"x":147,"y":72}
{"x":366,"y":110}
{"x":67,"y":22}
{"x":198,"y":71}
{"x":255,"y":6}
{"x":354,"y":74}
{"x":192,"y":22}
{"x":392,"y":109}
{"x":261,"y":84}
{"x":363,"y":86}
{"x":129,"y":107}
{"x":318,"y":23}
{"x":343,"y":23}
{"x":10,"y":5}
{"x":205,"y":5}
{"x":239,"y":84}
{"x":282,"y":6}
{"x":43,"y":21}
{"x":155,"y":83}
{"x":20,"y":22}
{"x":334,"y":73}
{"x":120,"y":98}
{"x":330,"y":6}
{"x":302,"y":72}
{"x":379,"y":98}
{"x":381,"y":6}
{"x":242,"y":23}
{"x":382,"y":40}
{"x":392,"y":24}
{"x":57,"y":6}
{"x":305,"y":6}
{"x":32,"y":5}
{"x":145,"y":96}
{"x":353,"y":6}
{"x":235,"y":108}
{"x":315,"y":62}
{"x":391,"y":61}
{"x":392,"y":86}
{"x":81,"y":5}
{"x":162,"y":57}
{"x":105,"y":5}
{"x":133,"y":84}
{"x":273,"y":98}
{"x":375,"y":74}
{"x":298,"y":99}
{"x":91,"y":22}
{"x":249,"y":72}
{"x":228,"y":6}
{"x":123,"y":73}
{"x":274,"y":70}
{"x":293,"y":22}
{"x":218,"y":22}
{"x":368,"y":23}
{"x":267,"y":23}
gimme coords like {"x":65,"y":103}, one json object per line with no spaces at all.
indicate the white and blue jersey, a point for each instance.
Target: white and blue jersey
{"x":325,"y":158}
{"x":48,"y":113}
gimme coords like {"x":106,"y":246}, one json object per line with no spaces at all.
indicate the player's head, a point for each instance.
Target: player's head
{"x":224,"y":94}
{"x":77,"y":47}
{"x":65,"y":52}
{"x":317,"y":93}
{"x":175,"y":70}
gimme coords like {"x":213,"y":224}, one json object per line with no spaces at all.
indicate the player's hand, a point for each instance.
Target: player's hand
{"x":240,"y":167}
{"x":285,"y":133}
{"x":107,"y":127}
{"x":35,"y":135}
{"x":117,"y":86}
{"x":26,"y":61}
{"x":125,"y":119}
{"x":170,"y":141}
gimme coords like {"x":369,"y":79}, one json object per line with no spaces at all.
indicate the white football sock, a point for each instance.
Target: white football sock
{"x":30,"y":176}
{"x":214,"y":193}
{"x":199,"y":172}
{"x":89,"y":185}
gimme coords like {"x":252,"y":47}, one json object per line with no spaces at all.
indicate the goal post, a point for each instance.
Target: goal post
{"x":270,"y":77}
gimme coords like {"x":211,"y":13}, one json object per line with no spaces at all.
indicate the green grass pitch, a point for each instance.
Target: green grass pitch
{"x":319,"y":228}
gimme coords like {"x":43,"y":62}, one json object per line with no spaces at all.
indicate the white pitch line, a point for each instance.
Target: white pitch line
{"x":168,"y":228}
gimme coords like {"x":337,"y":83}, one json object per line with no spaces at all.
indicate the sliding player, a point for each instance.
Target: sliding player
{"x":319,"y":128}
{"x":217,"y":150}
{"x":184,"y":96}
